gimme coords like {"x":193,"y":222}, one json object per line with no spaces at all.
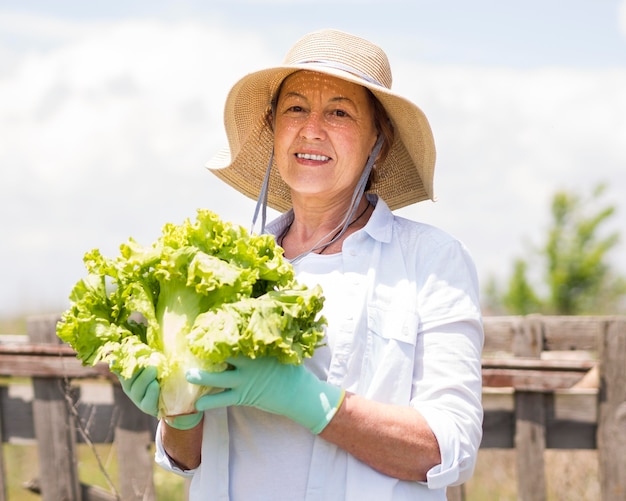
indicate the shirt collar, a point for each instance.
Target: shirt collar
{"x":379,"y":226}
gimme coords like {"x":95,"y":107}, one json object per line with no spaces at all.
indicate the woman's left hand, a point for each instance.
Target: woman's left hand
{"x":265,"y":383}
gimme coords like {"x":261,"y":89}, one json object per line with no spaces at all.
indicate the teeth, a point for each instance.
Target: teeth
{"x":307,"y":156}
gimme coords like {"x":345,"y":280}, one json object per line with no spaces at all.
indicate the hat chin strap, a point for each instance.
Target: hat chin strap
{"x":261,"y":203}
{"x":359,"y":189}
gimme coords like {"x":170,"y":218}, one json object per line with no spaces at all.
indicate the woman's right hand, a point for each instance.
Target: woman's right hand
{"x":144,"y":391}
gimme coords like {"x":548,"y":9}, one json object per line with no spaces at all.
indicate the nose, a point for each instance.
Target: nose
{"x":313,"y":127}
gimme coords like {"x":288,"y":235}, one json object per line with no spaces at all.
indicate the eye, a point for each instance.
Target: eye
{"x":340,"y":113}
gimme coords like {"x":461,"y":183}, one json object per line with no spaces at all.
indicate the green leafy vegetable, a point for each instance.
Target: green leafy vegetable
{"x":203,"y":292}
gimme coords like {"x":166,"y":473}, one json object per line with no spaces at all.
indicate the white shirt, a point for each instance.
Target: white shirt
{"x":404,"y":327}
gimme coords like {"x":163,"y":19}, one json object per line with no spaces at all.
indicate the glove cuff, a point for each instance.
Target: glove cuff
{"x":327,"y":404}
{"x":185,"y":421}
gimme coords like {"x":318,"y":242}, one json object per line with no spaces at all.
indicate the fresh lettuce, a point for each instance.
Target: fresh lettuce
{"x":203,"y":292}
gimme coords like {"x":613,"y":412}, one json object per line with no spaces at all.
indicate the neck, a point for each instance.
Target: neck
{"x":318,"y":232}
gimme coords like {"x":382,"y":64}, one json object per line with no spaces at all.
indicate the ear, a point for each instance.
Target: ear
{"x":377,"y":148}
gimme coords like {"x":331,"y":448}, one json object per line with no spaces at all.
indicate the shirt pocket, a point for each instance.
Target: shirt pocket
{"x":389,"y":358}
{"x":393,"y":323}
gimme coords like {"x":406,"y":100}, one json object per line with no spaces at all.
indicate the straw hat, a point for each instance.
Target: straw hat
{"x":406,"y":175}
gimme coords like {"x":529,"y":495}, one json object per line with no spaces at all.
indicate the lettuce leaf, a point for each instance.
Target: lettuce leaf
{"x":203,"y":292}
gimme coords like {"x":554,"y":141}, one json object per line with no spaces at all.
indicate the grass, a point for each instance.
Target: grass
{"x":22,"y":465}
{"x":13,"y":325}
{"x":569,"y":474}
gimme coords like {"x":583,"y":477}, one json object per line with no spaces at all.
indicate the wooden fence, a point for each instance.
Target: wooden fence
{"x":549,"y":382}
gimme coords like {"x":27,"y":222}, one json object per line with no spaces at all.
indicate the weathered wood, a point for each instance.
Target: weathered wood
{"x":529,"y":381}
{"x":17,"y":413}
{"x":570,"y":419}
{"x":3,"y":486}
{"x":534,"y":374}
{"x":54,"y":425}
{"x":560,"y":333}
{"x":456,"y":493}
{"x":612,"y":411}
{"x":540,"y":374}
{"x":133,"y":437}
{"x":530,"y":425}
{"x":23,"y":365}
{"x":499,"y":334}
{"x":530,"y":443}
{"x":13,"y":348}
{"x":569,"y":333}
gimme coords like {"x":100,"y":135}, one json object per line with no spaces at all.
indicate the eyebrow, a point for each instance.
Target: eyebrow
{"x":334,"y":99}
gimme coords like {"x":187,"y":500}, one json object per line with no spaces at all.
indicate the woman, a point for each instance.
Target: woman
{"x":390,"y":408}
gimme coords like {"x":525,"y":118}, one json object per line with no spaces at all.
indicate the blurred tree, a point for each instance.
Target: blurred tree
{"x":577,"y":276}
{"x":520,"y":297}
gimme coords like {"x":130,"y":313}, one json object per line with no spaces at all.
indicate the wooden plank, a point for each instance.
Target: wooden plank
{"x":571,"y":365}
{"x":570,"y":419}
{"x":133,"y":436}
{"x":54,"y":425}
{"x":529,"y":380}
{"x":97,"y":418}
{"x":498,"y":430}
{"x":17,"y":414}
{"x":528,"y":374}
{"x":3,"y":486}
{"x":569,"y":333}
{"x":32,"y":359}
{"x":570,"y":415}
{"x":530,"y":425}
{"x":530,"y":443}
{"x":21,"y":348}
{"x":49,"y":367}
{"x":560,"y":333}
{"x":612,"y":411}
{"x":499,"y":333}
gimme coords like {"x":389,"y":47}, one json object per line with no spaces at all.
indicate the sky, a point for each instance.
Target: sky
{"x":110,"y":110}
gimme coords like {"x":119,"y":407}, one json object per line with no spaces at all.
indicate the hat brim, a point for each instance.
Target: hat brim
{"x":405,"y":177}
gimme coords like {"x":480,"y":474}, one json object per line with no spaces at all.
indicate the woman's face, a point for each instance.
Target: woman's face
{"x":323,"y":134}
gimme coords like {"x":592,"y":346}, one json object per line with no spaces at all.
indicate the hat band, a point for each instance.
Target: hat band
{"x":344,"y":67}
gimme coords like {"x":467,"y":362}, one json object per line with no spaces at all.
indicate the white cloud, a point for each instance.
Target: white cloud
{"x":105,"y":135}
{"x":507,"y":140}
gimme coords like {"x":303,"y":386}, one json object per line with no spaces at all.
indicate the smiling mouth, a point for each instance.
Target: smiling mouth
{"x":307,"y":156}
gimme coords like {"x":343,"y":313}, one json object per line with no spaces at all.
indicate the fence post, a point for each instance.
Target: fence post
{"x":611,"y":433}
{"x":134,"y":436}
{"x":530,"y":421}
{"x":54,"y":424}
{"x":3,"y":487}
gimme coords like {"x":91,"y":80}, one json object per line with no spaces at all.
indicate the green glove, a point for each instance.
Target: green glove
{"x":265,"y":383}
{"x":144,"y":391}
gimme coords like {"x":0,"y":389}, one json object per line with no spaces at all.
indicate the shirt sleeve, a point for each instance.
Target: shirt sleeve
{"x":447,"y":381}
{"x":163,"y":460}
